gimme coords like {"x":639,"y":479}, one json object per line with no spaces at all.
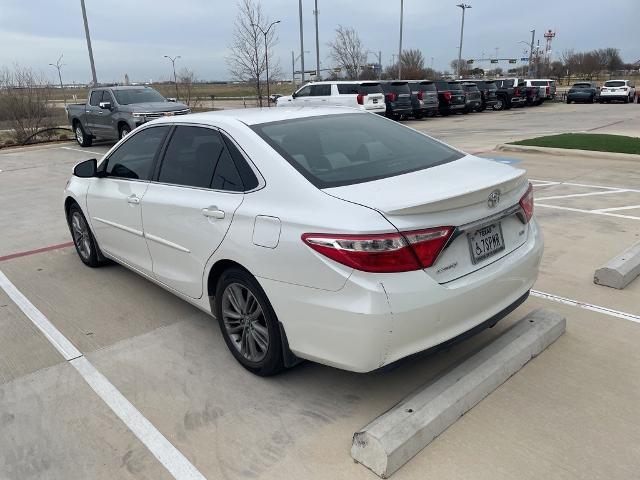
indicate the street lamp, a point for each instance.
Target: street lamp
{"x":400,"y":46}
{"x":59,"y":66}
{"x":175,"y":79}
{"x":464,"y":7}
{"x":266,"y":52}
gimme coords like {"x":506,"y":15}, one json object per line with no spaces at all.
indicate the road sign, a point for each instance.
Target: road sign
{"x":469,"y":62}
{"x":524,"y":59}
{"x":513,"y":60}
{"x":494,"y":61}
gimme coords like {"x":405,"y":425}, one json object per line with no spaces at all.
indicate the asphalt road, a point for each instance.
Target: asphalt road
{"x":570,"y":413}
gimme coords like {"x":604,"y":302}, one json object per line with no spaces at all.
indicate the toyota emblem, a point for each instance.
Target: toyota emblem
{"x":494,"y":199}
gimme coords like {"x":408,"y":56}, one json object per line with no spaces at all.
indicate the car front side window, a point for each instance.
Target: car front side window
{"x":304,"y":92}
{"x":134,"y":157}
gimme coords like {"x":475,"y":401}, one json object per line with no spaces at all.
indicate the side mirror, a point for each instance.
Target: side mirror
{"x":171,"y":99}
{"x":105,"y":105}
{"x":86,"y":169}
{"x":294,"y":95}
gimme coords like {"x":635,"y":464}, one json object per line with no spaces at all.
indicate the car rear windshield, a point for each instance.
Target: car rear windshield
{"x":423,"y":87}
{"x":539,"y":83}
{"x":581,"y":85}
{"x":138,"y":95}
{"x":336,"y":150}
{"x":455,"y":86}
{"x":470,"y":88}
{"x":614,"y":83}
{"x":396,"y":87}
{"x":490,"y":85}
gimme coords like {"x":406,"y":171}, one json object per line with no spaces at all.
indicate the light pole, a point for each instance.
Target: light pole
{"x":301,"y":41}
{"x":86,"y":32}
{"x":266,"y":51}
{"x":59,"y":66}
{"x":175,"y":79}
{"x":533,"y":37}
{"x":464,"y":7}
{"x":316,"y":12}
{"x":400,"y":46}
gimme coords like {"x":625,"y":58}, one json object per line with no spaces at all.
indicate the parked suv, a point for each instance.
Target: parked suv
{"x":357,"y":94}
{"x":622,"y":90}
{"x":583,"y":92}
{"x":488,"y":91}
{"x":510,"y":93}
{"x":397,"y":96}
{"x":473,"y":100}
{"x":424,"y":98}
{"x":451,"y":97}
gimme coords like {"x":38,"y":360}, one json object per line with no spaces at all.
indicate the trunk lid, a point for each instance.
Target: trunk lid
{"x":453,"y":194}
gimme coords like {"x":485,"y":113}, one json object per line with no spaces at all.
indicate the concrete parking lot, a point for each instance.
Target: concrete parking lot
{"x":570,"y":413}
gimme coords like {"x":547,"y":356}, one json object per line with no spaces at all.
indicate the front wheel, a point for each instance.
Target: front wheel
{"x":124,"y":131}
{"x":83,"y":238}
{"x":82,"y":138}
{"x":248,"y":323}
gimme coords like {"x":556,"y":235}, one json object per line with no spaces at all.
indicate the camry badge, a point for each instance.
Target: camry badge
{"x":494,"y":199}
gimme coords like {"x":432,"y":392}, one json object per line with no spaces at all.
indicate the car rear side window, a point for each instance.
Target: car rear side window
{"x":249,"y":179}
{"x":96,"y":98}
{"x":191,"y":157}
{"x":368,"y":88}
{"x":134,"y":158}
{"x":348,"y":89}
{"x":345,"y":149}
{"x":226,"y":176}
{"x":539,"y":83}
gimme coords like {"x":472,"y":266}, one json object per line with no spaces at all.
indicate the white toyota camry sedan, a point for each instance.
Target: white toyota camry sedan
{"x":326,"y":234}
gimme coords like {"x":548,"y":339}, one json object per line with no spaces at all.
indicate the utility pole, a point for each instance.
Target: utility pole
{"x":293,"y":69}
{"x":315,"y":12}
{"x":301,"y":41}
{"x":464,"y":7}
{"x":380,"y":64}
{"x":175,"y":78}
{"x":86,"y":32}
{"x":400,"y":46}
{"x":59,"y":66}
{"x":533,"y":37}
{"x":266,"y":52}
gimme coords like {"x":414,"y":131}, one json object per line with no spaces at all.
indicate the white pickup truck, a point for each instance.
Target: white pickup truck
{"x":365,"y":95}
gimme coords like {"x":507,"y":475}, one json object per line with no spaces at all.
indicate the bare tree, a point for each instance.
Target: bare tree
{"x":247,"y":59}
{"x":464,"y":67}
{"x":25,"y":101}
{"x":186,"y":81}
{"x":412,"y":66}
{"x":348,"y":52}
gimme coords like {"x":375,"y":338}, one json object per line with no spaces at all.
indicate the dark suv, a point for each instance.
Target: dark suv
{"x":473,"y":101}
{"x":397,"y":97}
{"x":488,"y":91}
{"x":451,"y":98}
{"x":424,"y":98}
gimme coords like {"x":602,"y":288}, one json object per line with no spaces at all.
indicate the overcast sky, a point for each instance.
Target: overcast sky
{"x":131,"y":36}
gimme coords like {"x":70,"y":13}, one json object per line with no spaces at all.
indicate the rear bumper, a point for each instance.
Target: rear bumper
{"x":377,"y":319}
{"x":579,"y":97}
{"x":604,"y":96}
{"x":452,"y":107}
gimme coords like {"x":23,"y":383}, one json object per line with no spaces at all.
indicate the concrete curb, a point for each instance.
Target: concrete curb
{"x":394,"y":438}
{"x":567,"y":152}
{"x":621,"y":270}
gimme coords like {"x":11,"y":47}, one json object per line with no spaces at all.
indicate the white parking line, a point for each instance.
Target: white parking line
{"x":606,"y":192}
{"x":82,"y":150}
{"x":607,"y":187}
{"x":168,"y":455}
{"x":628,"y":207}
{"x":587,"y":306}
{"x":592,"y":212}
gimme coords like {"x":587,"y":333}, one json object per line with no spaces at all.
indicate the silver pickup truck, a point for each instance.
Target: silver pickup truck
{"x":112,"y":112}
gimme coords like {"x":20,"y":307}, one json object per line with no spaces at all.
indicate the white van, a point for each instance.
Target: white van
{"x":365,"y":95}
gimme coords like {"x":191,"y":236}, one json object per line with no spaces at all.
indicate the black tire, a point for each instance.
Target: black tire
{"x":592,"y":99}
{"x":418,"y":116}
{"x":481,"y":108}
{"x":626,"y":99}
{"x":272,"y":362}
{"x":568,"y":102}
{"x":123,"y":131}
{"x":84,"y":241}
{"x":82,"y":138}
{"x":499,"y":105}
{"x":466,"y":111}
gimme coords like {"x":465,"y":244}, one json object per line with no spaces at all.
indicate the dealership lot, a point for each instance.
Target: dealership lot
{"x":570,"y":413}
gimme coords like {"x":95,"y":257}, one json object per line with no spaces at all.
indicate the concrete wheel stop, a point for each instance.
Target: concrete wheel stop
{"x":392,"y":439}
{"x":621,"y":270}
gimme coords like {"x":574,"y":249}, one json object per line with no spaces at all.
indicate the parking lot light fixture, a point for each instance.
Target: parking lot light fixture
{"x":464,"y":7}
{"x":175,"y":78}
{"x":266,"y":51}
{"x":59,"y":66}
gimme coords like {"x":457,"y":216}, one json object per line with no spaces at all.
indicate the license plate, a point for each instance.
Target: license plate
{"x":375,"y":100}
{"x":486,"y":242}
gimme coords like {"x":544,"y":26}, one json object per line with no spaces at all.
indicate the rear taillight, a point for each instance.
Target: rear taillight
{"x":382,"y":253}
{"x":360,"y":98}
{"x":391,"y":97}
{"x":420,"y":95}
{"x":516,"y":92}
{"x":526,"y":203}
{"x":447,"y":96}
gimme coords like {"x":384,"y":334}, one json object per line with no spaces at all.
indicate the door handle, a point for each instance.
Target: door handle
{"x":213,"y":212}
{"x":133,"y":199}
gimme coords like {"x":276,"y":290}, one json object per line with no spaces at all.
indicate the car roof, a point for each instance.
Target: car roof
{"x":350,"y":82}
{"x":254,"y":116}
{"x":126,"y":87}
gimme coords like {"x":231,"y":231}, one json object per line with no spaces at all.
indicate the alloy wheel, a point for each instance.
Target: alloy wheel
{"x":79,"y":135}
{"x":245,"y":322}
{"x":81,"y":235}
